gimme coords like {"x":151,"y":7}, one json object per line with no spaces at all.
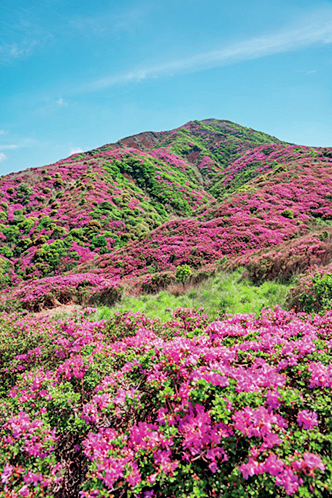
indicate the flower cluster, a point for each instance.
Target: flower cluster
{"x":181,"y":408}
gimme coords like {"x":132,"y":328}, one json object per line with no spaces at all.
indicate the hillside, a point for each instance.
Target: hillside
{"x":207,"y":388}
{"x":129,"y":213}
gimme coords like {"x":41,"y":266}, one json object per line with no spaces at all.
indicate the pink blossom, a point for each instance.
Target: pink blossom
{"x":307,"y":419}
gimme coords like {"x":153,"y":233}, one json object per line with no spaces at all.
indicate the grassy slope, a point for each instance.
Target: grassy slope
{"x":226,"y":292}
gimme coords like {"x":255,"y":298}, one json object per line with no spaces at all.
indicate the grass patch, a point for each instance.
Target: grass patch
{"x":228,"y":292}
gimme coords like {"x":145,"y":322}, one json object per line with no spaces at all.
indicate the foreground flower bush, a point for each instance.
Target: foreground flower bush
{"x":134,"y":407}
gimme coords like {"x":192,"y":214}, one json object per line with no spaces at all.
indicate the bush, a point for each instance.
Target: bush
{"x":59,"y":232}
{"x":45,"y":221}
{"x":322,"y":287}
{"x":24,"y":244}
{"x":77,"y":233}
{"x":183,"y":273}
{"x":288,"y":213}
{"x":94,"y":224}
{"x":182,"y":408}
{"x":98,"y":241}
{"x":6,"y":251}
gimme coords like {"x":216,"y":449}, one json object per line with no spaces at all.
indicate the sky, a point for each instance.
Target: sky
{"x":75,"y":75}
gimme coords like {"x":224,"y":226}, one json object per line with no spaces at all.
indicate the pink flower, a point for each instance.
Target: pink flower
{"x":273,"y":465}
{"x":307,"y":419}
{"x":24,"y":491}
{"x":120,"y":397}
{"x":313,"y":461}
{"x":272,"y":399}
{"x":249,"y":469}
{"x":7,"y":472}
{"x":289,"y":481}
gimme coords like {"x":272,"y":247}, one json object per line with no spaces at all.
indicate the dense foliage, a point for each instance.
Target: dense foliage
{"x":132,"y":406}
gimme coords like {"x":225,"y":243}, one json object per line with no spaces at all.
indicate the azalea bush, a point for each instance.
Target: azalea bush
{"x":133,"y":406}
{"x":288,"y":259}
{"x":54,"y":291}
{"x":312,"y":291}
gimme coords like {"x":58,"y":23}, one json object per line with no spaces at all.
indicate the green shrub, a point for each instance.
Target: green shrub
{"x":323,"y":290}
{"x":27,"y":224}
{"x":324,"y":235}
{"x":58,"y":232}
{"x":6,"y":251}
{"x":288,"y":213}
{"x":98,"y":242}
{"x":24,"y":244}
{"x":11,"y":233}
{"x":106,"y":206}
{"x":183,"y":273}
{"x":45,"y":221}
{"x":77,"y":233}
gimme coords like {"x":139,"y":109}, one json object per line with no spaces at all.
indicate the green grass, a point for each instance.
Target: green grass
{"x":229,"y":292}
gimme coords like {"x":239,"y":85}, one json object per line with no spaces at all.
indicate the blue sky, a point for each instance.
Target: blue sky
{"x":75,"y":75}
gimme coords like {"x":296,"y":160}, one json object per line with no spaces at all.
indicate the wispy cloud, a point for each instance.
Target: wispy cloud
{"x":75,"y":150}
{"x":60,"y":102}
{"x":22,"y":143}
{"x":2,"y":132}
{"x":9,"y":147}
{"x":108,"y":21}
{"x":22,"y":33}
{"x":12,"y":51}
{"x":316,"y":30}
{"x":2,"y":156}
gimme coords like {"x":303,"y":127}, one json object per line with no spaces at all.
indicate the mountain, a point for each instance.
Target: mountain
{"x":182,"y":404}
{"x":126,"y":215}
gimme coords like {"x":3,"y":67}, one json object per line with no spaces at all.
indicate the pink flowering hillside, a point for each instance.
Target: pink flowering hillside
{"x":277,"y":211}
{"x":293,"y":257}
{"x":132,"y":407}
{"x":132,"y":212}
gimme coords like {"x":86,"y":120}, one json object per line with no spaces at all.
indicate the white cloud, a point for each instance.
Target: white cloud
{"x":11,"y":51}
{"x":61,"y":102}
{"x":2,"y":132}
{"x":75,"y":150}
{"x":9,"y":147}
{"x":315,"y":30}
{"x":2,"y":156}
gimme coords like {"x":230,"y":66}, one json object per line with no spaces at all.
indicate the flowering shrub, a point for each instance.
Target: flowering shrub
{"x":287,"y":259}
{"x":52,"y":291}
{"x":312,"y":290}
{"x":132,"y":406}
